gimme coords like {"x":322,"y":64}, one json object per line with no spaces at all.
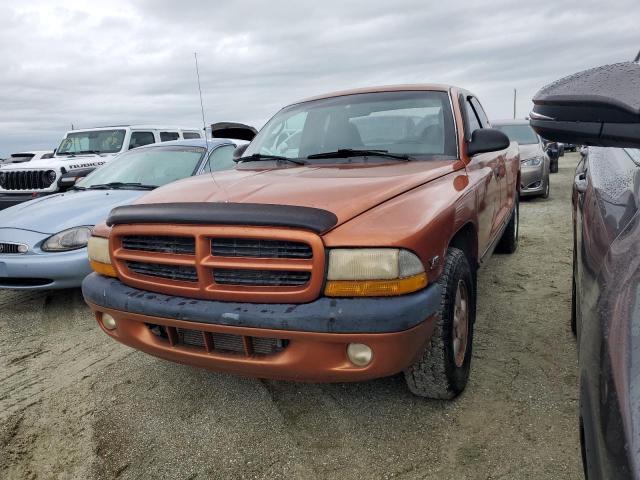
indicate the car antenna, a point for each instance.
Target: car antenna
{"x":204,"y":127}
{"x":204,"y":124}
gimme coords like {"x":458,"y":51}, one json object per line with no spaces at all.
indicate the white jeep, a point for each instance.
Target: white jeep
{"x":80,"y":151}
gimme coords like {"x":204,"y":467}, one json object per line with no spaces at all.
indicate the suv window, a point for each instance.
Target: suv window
{"x":139,"y":139}
{"x":168,"y":136}
{"x":220,"y":159}
{"x":190,"y":135}
{"x":484,"y":120}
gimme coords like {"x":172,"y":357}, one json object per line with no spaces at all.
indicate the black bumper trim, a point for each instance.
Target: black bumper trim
{"x":327,"y":315}
{"x":10,"y":199}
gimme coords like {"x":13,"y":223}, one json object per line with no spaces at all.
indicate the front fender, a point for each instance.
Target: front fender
{"x":422,"y":220}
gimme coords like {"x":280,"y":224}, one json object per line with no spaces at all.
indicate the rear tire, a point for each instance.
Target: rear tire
{"x":443,"y":369}
{"x":553,"y":166}
{"x":509,"y":240}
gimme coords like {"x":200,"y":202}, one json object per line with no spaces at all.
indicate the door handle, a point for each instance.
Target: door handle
{"x":580,"y":182}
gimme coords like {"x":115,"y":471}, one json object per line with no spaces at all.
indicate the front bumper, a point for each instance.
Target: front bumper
{"x":44,"y":271}
{"x":533,"y":180}
{"x":10,"y":199}
{"x":317,"y":333}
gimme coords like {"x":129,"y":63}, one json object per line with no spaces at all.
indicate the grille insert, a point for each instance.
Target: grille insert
{"x":220,"y":342}
{"x":257,"y":248}
{"x":161,"y":244}
{"x":170,"y":272}
{"x":9,"y":248}
{"x":25,"y":180}
{"x":270,"y":278}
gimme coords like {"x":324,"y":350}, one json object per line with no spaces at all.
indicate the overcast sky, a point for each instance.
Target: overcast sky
{"x":89,"y":64}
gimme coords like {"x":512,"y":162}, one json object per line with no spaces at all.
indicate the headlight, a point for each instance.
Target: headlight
{"x":49,"y":177}
{"x":70,"y":239}
{"x":373,"y":272}
{"x":99,"y":257}
{"x":532,"y":162}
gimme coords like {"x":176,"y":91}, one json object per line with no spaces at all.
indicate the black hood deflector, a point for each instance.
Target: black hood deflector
{"x":251,"y":214}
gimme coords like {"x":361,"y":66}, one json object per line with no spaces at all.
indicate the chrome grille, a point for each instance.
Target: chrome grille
{"x":162,"y":244}
{"x":257,"y":248}
{"x":271,"y":278}
{"x":171,"y":272}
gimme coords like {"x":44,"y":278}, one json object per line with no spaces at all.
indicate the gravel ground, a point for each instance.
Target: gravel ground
{"x":74,"y":404}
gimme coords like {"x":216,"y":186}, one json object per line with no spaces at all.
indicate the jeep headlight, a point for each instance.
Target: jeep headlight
{"x":531,"y":162}
{"x":70,"y":239}
{"x":99,"y":256}
{"x":373,"y":272}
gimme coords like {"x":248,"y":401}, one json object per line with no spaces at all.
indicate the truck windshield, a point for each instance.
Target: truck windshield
{"x":415,"y":123}
{"x":147,"y":166}
{"x":523,"y":134}
{"x":92,"y":141}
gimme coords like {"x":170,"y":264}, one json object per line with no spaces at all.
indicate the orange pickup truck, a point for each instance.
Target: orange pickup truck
{"x":343,"y":247}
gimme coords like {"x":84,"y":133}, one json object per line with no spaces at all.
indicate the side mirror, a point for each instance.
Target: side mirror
{"x":237,"y":153}
{"x":487,"y":140}
{"x":600,"y":106}
{"x":235,"y":131}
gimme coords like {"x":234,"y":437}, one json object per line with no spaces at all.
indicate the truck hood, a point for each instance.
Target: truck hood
{"x":345,"y":190}
{"x":57,"y":162}
{"x":54,"y":213}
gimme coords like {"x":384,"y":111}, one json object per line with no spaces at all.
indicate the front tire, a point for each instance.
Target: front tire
{"x":547,"y":189}
{"x":443,"y":369}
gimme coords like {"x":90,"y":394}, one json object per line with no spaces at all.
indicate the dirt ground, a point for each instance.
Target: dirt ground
{"x":74,"y":404}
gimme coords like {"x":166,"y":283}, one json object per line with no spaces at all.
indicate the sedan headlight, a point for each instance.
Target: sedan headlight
{"x":373,"y":272}
{"x":532,"y":162}
{"x":99,"y":256}
{"x":70,"y":239}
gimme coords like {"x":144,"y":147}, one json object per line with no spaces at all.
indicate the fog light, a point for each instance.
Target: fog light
{"x":23,"y":249}
{"x":359,"y":354}
{"x":108,"y":321}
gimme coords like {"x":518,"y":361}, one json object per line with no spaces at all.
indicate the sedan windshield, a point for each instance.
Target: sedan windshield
{"x":523,"y":134}
{"x":92,"y":141}
{"x":146,"y":167}
{"x":414,"y":123}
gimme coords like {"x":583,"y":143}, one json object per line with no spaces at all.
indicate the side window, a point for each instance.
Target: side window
{"x":484,"y":120}
{"x":190,"y":135}
{"x":139,"y":139}
{"x":472,"y":119}
{"x":221,"y":159}
{"x":168,"y":136}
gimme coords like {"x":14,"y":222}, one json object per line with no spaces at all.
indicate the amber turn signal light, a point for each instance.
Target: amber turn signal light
{"x":375,"y":288}
{"x":105,"y":269}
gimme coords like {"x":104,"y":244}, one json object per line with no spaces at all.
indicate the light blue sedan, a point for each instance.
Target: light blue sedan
{"x":43,"y":241}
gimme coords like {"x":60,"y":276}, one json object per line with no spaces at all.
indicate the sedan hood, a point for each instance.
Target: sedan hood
{"x":345,"y":190}
{"x":528,"y":151}
{"x":54,"y":213}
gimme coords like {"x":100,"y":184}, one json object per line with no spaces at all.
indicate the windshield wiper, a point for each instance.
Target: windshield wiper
{"x":122,"y":185}
{"x":353,"y":152}
{"x":257,"y":157}
{"x":81,"y":152}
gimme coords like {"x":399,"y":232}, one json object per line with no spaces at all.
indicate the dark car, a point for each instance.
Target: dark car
{"x":601,"y":107}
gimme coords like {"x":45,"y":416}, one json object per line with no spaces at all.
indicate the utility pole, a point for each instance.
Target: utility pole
{"x":515,"y":96}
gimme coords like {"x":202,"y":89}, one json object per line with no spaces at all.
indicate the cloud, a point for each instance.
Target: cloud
{"x":95,"y":63}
